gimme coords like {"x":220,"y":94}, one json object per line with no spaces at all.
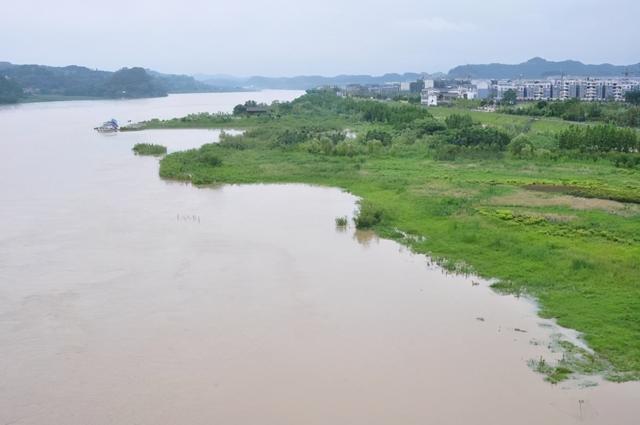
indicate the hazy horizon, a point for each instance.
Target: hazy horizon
{"x":287,"y":38}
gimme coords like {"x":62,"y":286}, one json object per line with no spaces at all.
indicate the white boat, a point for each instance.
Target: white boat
{"x":110,"y":126}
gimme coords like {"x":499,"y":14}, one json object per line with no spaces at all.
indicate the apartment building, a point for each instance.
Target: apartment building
{"x":435,"y":97}
{"x":586,"y":89}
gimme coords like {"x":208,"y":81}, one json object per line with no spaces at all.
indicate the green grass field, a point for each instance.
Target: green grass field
{"x":505,"y":120}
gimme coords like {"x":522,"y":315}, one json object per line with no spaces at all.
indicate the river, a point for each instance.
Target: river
{"x":126,"y":299}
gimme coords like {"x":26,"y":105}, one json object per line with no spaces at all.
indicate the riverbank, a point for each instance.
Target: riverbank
{"x":547,"y":226}
{"x":39,"y":98}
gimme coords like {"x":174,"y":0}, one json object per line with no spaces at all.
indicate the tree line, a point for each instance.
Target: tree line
{"x":621,"y":114}
{"x":599,"y":138}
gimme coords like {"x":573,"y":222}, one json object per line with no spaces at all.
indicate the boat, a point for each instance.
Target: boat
{"x":110,"y":126}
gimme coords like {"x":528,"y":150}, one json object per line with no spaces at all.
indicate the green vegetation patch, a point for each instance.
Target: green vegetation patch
{"x":342,"y":221}
{"x":577,"y":361}
{"x":369,"y":215}
{"x":599,"y":191}
{"x":149,"y":149}
{"x":622,"y":114}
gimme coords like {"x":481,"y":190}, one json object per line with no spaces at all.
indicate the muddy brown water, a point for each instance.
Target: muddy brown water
{"x":125,"y":299}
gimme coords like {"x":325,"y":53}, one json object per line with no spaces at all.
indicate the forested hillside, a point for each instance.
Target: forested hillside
{"x":28,"y":82}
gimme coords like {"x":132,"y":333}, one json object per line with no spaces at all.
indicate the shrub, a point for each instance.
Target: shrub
{"x":368,"y":216}
{"x":479,"y":137}
{"x":209,"y":158}
{"x":342,"y":221}
{"x":458,"y":121}
{"x":405,"y":138}
{"x":374,"y":146}
{"x":290,"y":138}
{"x":323,"y":145}
{"x":347,"y":148}
{"x":149,"y":149}
{"x":335,"y":136}
{"x":383,"y":136}
{"x":521,"y":147}
{"x":428,"y":126}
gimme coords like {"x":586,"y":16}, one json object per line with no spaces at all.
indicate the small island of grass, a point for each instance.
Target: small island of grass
{"x":149,"y":149}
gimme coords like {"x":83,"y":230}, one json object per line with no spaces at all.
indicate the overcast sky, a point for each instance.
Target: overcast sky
{"x":328,"y":37}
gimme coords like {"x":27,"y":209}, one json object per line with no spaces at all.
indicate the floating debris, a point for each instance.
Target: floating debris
{"x":189,"y":218}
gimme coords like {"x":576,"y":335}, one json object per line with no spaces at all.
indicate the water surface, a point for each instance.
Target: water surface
{"x":125,"y":299}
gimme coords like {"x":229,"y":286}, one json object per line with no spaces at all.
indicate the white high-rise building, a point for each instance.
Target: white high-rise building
{"x":586,"y":89}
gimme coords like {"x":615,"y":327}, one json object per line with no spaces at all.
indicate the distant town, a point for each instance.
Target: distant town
{"x":434,"y":92}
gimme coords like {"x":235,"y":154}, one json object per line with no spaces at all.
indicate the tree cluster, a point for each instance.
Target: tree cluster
{"x":600,"y":138}
{"x":578,"y":111}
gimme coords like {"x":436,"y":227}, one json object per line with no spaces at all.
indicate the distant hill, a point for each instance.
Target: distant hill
{"x":305,"y":82}
{"x":132,"y":83}
{"x":21,"y":81}
{"x":10,"y":91}
{"x":64,"y":81}
{"x":541,"y":68}
{"x":34,"y":80}
{"x":174,"y":83}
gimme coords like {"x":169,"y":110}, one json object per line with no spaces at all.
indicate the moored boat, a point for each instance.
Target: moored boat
{"x":110,"y":126}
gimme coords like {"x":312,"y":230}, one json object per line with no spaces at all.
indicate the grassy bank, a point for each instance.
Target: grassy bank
{"x":515,"y":122}
{"x":560,"y":226}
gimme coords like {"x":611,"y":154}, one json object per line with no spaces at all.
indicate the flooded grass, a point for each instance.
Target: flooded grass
{"x":149,"y":149}
{"x":577,"y":362}
{"x":368,"y":216}
{"x":342,"y":221}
